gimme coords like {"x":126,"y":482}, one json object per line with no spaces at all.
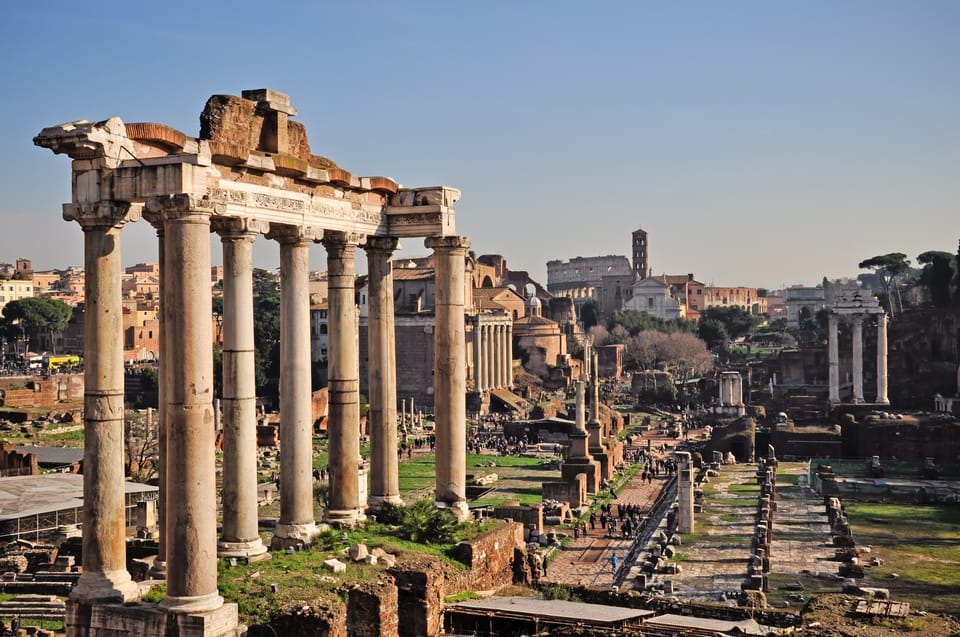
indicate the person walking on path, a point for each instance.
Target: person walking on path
{"x":613,"y":563}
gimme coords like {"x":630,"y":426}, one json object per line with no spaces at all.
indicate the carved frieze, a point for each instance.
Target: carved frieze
{"x":223,"y":198}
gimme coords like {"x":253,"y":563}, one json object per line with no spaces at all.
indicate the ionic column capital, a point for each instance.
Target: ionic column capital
{"x":239,"y":228}
{"x":294,"y":235}
{"x":381,"y":244}
{"x":178,"y":206}
{"x":102,"y":214}
{"x":452,"y":243}
{"x":337,"y":238}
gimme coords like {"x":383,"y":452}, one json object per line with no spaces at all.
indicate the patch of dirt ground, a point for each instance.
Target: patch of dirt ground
{"x":830,"y":615}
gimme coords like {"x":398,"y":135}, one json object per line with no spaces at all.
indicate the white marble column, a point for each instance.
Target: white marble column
{"x":105,"y":576}
{"x":487,"y":358}
{"x":498,"y":347}
{"x":346,"y":507}
{"x":833,"y":358}
{"x":509,"y":357}
{"x":882,"y":359}
{"x":857,"y":358}
{"x":449,"y":379}
{"x":240,"y":535}
{"x":477,"y":357}
{"x":296,"y":523}
{"x":191,"y":522}
{"x":382,"y":366}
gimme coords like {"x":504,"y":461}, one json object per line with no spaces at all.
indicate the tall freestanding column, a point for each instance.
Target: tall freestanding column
{"x":857,"y":358}
{"x":381,"y":338}
{"x":509,"y":357}
{"x":450,"y":371}
{"x":296,"y":523}
{"x":346,"y":506}
{"x":477,"y":357}
{"x":882,"y":359}
{"x":240,"y":536}
{"x":833,"y":358}
{"x":105,"y":575}
{"x":191,"y":521}
{"x":159,"y":568}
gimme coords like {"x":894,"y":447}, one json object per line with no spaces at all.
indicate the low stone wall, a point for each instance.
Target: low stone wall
{"x":489,"y":556}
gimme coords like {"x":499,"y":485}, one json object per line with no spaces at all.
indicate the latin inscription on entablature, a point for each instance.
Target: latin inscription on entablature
{"x":224,"y":198}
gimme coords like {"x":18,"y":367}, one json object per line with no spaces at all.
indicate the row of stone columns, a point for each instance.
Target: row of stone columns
{"x":493,"y":347}
{"x":833,"y":357}
{"x":189,"y":544}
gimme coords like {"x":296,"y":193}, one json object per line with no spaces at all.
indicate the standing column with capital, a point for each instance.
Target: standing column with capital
{"x":882,"y":359}
{"x":833,"y":358}
{"x":105,"y":576}
{"x":498,"y":344}
{"x":346,"y":507}
{"x":450,"y":371}
{"x":381,"y":339}
{"x":477,"y":358}
{"x":191,"y":521}
{"x":509,"y":357}
{"x":857,"y":358}
{"x":240,"y":536}
{"x":296,"y":523}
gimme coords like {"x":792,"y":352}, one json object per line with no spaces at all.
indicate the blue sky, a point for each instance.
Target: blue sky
{"x":759,"y":143}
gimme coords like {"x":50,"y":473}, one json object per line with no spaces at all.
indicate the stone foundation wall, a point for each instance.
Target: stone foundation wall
{"x":490,"y":556}
{"x":373,"y":610}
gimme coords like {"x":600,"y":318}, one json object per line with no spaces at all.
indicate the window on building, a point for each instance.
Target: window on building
{"x":650,"y":302}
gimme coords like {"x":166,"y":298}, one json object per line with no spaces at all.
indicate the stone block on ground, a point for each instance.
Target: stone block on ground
{"x":335,"y":565}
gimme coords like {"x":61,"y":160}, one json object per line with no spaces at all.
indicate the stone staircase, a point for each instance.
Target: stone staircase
{"x":34,"y":607}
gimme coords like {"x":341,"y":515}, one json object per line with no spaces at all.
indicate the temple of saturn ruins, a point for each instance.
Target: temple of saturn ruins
{"x":250,"y":172}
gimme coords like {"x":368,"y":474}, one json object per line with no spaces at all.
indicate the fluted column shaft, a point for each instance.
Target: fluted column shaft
{"x":882,"y":360}
{"x":191,"y":522}
{"x":833,"y":358}
{"x":857,"y":358}
{"x":345,"y":503}
{"x":105,"y":575}
{"x":381,"y":339}
{"x":498,"y":356}
{"x":509,"y":356}
{"x":296,"y":521}
{"x":240,"y":536}
{"x":450,"y":373}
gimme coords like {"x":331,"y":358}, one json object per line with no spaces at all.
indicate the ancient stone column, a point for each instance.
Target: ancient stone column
{"x":685,"y":492}
{"x":509,"y":356}
{"x":343,"y":428}
{"x":191,"y":521}
{"x":477,"y":358}
{"x":593,"y":426}
{"x":158,"y":570}
{"x":498,"y":343}
{"x":296,"y":523}
{"x":450,"y":373}
{"x":105,"y":576}
{"x":381,"y":339}
{"x":857,"y":358}
{"x":882,"y":359}
{"x":488,"y":358}
{"x":833,"y":358}
{"x":240,"y":536}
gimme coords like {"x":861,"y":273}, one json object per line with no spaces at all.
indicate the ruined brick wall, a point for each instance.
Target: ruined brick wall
{"x":373,"y":609}
{"x":419,"y":599}
{"x":16,"y":463}
{"x":414,"y":344}
{"x":490,"y":556}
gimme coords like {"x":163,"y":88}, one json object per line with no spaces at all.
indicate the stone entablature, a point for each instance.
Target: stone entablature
{"x":227,"y":174}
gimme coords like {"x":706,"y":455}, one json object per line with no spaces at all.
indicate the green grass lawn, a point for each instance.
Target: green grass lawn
{"x":921,"y":544}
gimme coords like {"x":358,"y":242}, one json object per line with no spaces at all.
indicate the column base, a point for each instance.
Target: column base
{"x":460,"y":509}
{"x":116,"y":586}
{"x":254,"y":550}
{"x":181,"y":605}
{"x":151,"y":620}
{"x":379,"y":501}
{"x":158,"y":570}
{"x":344,"y":518}
{"x":292,"y":534}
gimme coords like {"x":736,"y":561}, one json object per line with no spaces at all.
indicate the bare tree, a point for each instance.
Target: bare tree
{"x":141,"y":441}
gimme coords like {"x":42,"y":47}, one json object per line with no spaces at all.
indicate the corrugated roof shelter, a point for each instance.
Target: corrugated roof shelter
{"x":53,"y":456}
{"x":33,"y":506}
{"x":542,"y":612}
